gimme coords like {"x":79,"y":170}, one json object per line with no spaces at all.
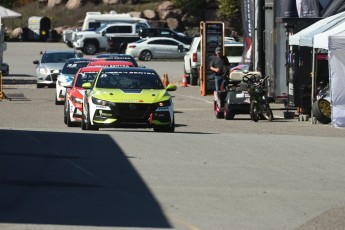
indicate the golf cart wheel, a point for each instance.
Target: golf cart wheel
{"x":322,"y":111}
{"x":228,"y":113}
{"x":254,"y":111}
{"x":217,"y":111}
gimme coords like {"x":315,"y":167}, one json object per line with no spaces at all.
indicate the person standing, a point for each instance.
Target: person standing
{"x":218,"y":66}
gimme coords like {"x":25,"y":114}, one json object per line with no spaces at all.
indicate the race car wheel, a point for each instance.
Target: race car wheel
{"x":165,"y":128}
{"x":83,"y":124}
{"x":68,"y":117}
{"x":145,"y":56}
{"x":228,"y":113}
{"x":65,"y":112}
{"x":217,"y":111}
{"x":322,"y":111}
{"x":58,"y":102}
{"x":88,"y":125}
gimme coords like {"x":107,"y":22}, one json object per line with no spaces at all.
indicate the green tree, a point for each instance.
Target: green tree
{"x":7,"y":3}
{"x":230,"y":10}
{"x":190,"y":6}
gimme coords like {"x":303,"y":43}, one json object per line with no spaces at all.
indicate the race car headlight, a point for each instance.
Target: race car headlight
{"x":77,"y":100}
{"x":100,"y":102}
{"x":164,"y":103}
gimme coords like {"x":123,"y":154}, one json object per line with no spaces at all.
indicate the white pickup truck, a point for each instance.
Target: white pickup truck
{"x":92,"y":42}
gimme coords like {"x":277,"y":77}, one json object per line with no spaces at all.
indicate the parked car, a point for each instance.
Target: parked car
{"x":165,"y":32}
{"x":118,"y":57}
{"x":67,"y":75}
{"x":121,"y":96}
{"x":74,"y":95}
{"x":5,"y":69}
{"x":51,"y":64}
{"x":192,"y":61}
{"x":156,"y":47}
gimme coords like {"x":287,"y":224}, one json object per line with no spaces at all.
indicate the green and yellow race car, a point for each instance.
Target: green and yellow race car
{"x":128,"y":97}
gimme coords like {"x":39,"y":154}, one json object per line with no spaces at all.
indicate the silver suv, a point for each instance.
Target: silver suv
{"x":50,"y":66}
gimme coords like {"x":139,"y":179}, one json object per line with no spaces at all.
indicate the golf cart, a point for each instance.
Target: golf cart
{"x":234,"y":98}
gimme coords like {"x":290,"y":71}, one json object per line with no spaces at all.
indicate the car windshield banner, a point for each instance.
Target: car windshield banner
{"x":247,"y":8}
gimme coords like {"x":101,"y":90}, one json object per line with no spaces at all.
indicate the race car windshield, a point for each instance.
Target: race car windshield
{"x":72,"y":68}
{"x":129,"y":80}
{"x":85,"y":77}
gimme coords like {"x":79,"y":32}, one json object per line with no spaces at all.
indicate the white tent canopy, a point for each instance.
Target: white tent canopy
{"x":336,"y":58}
{"x":305,"y":36}
{"x":321,"y":40}
{"x":7,"y":13}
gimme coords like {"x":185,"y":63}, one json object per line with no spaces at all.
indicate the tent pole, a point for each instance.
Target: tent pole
{"x":313,"y":76}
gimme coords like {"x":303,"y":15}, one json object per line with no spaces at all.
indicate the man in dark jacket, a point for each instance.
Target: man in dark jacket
{"x":218,"y":65}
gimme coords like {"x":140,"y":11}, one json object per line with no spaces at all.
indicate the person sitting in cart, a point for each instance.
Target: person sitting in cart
{"x":219,"y":65}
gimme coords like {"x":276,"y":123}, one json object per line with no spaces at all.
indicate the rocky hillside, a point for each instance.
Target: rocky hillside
{"x":160,"y":14}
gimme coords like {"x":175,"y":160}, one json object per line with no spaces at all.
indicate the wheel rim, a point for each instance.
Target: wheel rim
{"x":146,"y":55}
{"x":91,"y":49}
{"x":325,"y":108}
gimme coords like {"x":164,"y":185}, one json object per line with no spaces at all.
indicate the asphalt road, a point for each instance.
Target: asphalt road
{"x":211,"y":174}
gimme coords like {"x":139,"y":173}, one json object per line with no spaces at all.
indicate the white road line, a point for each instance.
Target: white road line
{"x":200,"y":99}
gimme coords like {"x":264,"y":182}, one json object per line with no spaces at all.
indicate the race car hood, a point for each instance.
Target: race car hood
{"x":132,"y":96}
{"x":68,"y":78}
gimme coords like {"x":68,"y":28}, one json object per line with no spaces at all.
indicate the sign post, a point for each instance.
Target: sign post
{"x":212,"y":36}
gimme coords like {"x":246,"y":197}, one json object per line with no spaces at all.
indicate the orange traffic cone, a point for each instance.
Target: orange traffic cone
{"x":184,"y":81}
{"x":166,"y":80}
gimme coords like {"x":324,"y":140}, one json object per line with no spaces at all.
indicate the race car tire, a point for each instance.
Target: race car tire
{"x":83,"y":125}
{"x":65,"y":113}
{"x":322,"y":111}
{"x":57,"y":102}
{"x":68,"y":117}
{"x":88,"y":125}
{"x":165,"y":128}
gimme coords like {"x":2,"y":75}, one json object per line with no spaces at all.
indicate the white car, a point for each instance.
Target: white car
{"x":67,"y":76}
{"x":50,"y":66}
{"x":156,"y":47}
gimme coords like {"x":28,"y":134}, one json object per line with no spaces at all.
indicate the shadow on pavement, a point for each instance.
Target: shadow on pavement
{"x":72,"y":179}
